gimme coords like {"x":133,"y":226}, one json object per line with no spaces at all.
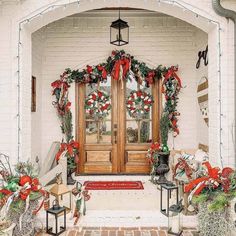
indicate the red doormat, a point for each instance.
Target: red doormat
{"x":113,"y":185}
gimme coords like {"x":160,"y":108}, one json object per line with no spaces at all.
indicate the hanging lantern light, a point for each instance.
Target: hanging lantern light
{"x":119,"y":32}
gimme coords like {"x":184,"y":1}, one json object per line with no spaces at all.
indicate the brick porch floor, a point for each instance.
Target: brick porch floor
{"x":122,"y":231}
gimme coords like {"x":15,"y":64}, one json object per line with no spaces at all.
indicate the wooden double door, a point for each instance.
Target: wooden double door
{"x":117,"y":144}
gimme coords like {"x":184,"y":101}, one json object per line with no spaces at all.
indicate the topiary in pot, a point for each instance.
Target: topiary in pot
{"x":164,"y":130}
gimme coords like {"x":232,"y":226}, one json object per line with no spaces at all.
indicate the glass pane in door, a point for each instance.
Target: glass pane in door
{"x":98,"y":130}
{"x":138,"y":130}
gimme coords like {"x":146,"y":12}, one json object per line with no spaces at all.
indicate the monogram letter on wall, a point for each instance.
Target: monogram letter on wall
{"x":202,"y":55}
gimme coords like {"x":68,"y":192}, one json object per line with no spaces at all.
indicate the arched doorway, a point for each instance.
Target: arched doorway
{"x":59,"y":13}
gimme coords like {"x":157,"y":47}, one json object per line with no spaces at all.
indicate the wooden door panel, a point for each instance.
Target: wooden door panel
{"x":97,"y":167}
{"x":136,"y":156}
{"x":98,"y":156}
{"x":136,"y":168}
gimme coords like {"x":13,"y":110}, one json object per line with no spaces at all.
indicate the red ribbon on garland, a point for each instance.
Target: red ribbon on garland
{"x":103,"y":70}
{"x":150,"y":77}
{"x":171,"y":73}
{"x":69,"y":147}
{"x":58,"y":84}
{"x":123,"y":63}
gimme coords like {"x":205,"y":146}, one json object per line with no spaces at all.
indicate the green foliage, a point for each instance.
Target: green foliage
{"x":24,"y":168}
{"x":17,"y":206}
{"x":164,"y":127}
{"x":34,"y":196}
{"x":71,"y":165}
{"x":200,"y":198}
{"x":219,"y":202}
{"x":214,"y":200}
{"x":66,"y":126}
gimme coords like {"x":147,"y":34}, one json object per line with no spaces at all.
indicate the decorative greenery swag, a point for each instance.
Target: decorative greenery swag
{"x":119,"y":66}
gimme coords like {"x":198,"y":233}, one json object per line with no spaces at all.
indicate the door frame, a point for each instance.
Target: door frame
{"x":118,"y":164}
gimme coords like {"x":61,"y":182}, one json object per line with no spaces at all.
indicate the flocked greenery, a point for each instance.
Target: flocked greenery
{"x":216,"y":223}
{"x":213,"y":204}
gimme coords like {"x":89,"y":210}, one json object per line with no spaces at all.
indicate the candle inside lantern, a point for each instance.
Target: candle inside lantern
{"x":175,"y":224}
{"x":119,"y":36}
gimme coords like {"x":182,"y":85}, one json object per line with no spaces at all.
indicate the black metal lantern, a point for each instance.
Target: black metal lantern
{"x":56,"y":228}
{"x":119,"y":32}
{"x":171,"y":197}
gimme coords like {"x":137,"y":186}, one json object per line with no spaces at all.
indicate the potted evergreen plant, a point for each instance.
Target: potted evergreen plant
{"x":212,"y":193}
{"x":20,"y":194}
{"x":158,"y":154}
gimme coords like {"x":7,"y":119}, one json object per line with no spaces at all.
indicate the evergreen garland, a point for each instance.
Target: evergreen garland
{"x":119,"y":66}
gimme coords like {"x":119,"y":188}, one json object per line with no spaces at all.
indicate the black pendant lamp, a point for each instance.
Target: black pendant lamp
{"x":119,"y":32}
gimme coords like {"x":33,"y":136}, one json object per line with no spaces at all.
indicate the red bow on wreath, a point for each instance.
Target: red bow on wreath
{"x":69,"y":147}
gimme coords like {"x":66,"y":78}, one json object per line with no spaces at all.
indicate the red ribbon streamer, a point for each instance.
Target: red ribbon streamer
{"x":213,"y":174}
{"x":125,"y":63}
{"x":171,"y":73}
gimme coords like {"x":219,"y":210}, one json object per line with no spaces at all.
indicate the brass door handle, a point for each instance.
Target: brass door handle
{"x":115,"y":136}
{"x":115,"y":133}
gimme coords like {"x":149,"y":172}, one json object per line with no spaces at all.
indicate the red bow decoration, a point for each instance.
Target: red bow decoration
{"x":225,"y":180}
{"x":174,"y":126}
{"x":69,"y":147}
{"x":123,"y":63}
{"x":67,"y":107}
{"x":171,"y":73}
{"x":212,"y":179}
{"x":155,"y":147}
{"x":183,"y":165}
{"x":103,"y":70}
{"x":33,"y":185}
{"x":60,"y":84}
{"x":89,"y":69}
{"x":5,"y":191}
{"x":150,"y":77}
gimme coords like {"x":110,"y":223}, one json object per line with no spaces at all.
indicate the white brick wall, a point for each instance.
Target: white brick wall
{"x":10,"y":17}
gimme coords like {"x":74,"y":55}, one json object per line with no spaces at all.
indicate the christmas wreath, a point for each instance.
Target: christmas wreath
{"x":139,"y":104}
{"x":97,"y":105}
